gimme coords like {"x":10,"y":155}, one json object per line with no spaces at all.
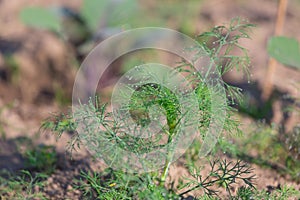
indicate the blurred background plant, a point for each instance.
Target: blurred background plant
{"x":94,"y":22}
{"x":287,"y":51}
{"x":97,"y":20}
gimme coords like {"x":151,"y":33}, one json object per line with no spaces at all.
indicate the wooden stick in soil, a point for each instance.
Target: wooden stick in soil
{"x":272,"y":65}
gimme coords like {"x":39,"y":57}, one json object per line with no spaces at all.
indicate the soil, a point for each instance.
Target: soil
{"x":47,"y":66}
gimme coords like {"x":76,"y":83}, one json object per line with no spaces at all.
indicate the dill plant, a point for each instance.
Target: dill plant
{"x":220,"y":43}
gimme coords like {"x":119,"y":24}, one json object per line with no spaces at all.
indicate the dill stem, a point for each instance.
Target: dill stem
{"x":168,"y":161}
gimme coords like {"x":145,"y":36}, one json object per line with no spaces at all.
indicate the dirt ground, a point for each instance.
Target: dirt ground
{"x":45,"y":66}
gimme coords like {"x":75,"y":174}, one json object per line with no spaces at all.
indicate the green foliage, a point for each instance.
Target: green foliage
{"x":291,"y":145}
{"x":42,"y":158}
{"x":245,"y":193}
{"x":222,"y":174}
{"x":123,"y":185}
{"x":93,"y":13}
{"x":111,"y":184}
{"x":278,"y":194}
{"x":286,"y":192}
{"x":21,"y":186}
{"x":150,"y":94}
{"x":63,"y":123}
{"x":285,"y":50}
{"x":40,"y":18}
{"x":59,"y":124}
{"x":105,"y":11}
{"x":222,"y":41}
{"x":292,"y":142}
{"x":93,"y":186}
{"x":114,"y":132}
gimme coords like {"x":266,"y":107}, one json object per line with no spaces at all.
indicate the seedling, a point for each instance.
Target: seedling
{"x":219,"y":45}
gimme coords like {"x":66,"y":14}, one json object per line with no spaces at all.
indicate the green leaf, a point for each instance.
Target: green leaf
{"x":110,"y":13}
{"x":40,"y":18}
{"x":285,"y":50}
{"x":123,"y":12}
{"x":92,"y":11}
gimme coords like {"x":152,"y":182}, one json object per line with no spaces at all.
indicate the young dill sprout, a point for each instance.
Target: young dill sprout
{"x":220,"y":44}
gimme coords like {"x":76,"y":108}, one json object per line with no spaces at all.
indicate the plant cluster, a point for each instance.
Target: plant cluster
{"x":219,"y":44}
{"x":22,"y":185}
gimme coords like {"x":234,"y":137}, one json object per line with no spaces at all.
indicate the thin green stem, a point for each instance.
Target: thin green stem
{"x":168,"y":160}
{"x":166,"y":170}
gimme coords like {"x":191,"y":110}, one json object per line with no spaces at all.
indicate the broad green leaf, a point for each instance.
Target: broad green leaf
{"x":285,"y":50}
{"x":123,"y":12}
{"x":109,"y":13}
{"x":40,"y":18}
{"x":93,"y":10}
